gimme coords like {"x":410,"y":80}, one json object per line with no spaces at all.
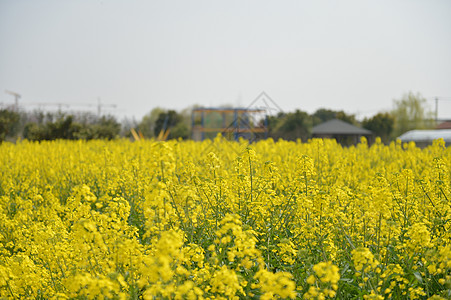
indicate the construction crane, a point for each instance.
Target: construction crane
{"x":60,"y":105}
{"x":16,"y":98}
{"x":39,"y":104}
{"x":99,"y":106}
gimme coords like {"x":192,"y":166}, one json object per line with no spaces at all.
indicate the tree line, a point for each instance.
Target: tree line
{"x":39,"y":126}
{"x":409,"y":112}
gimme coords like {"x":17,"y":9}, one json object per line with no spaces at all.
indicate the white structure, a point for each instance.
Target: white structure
{"x":425,"y":137}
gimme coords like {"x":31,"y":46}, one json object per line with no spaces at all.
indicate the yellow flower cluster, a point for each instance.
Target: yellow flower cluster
{"x":324,"y":283}
{"x":419,"y":238}
{"x":224,"y":220}
{"x":363,"y":260}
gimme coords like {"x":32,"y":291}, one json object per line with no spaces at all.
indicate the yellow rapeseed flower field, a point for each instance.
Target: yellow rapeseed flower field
{"x":224,"y":220}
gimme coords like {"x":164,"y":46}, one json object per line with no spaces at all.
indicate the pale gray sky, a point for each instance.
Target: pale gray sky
{"x":352,"y":55}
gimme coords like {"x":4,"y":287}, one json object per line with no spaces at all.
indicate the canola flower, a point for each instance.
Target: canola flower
{"x":224,"y":220}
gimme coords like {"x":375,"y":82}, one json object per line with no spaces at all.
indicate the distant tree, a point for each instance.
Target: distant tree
{"x":381,"y":125}
{"x":180,"y":131}
{"x":147,"y":124}
{"x":173,"y":121}
{"x":183,"y":129}
{"x":106,"y":128}
{"x":34,"y":132}
{"x":186,"y":115}
{"x":36,"y":116}
{"x":323,"y":115}
{"x":411,"y":112}
{"x":292,"y":126}
{"x":126,"y":125}
{"x":63,"y":128}
{"x":67,"y":127}
{"x":341,"y":115}
{"x":87,"y":118}
{"x":8,"y":122}
{"x":49,"y":126}
{"x":273,"y":124}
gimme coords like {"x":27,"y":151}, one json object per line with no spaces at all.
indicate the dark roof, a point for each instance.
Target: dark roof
{"x":336,"y":126}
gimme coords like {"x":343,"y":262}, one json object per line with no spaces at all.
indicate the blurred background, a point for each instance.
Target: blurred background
{"x":112,"y":66}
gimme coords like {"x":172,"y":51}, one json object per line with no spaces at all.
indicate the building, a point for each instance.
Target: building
{"x":444,"y":125}
{"x":231,"y":123}
{"x":344,"y":133}
{"x":424,"y":138}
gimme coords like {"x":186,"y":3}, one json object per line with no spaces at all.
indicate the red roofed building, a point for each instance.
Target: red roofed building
{"x":444,"y":125}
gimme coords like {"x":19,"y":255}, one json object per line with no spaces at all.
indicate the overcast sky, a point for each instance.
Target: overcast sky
{"x":352,"y":55}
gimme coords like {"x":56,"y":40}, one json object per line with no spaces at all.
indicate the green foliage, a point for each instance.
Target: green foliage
{"x":323,"y":115}
{"x":291,"y":126}
{"x":410,"y":112}
{"x":273,"y":121}
{"x":106,"y":128}
{"x":166,"y":120}
{"x":174,"y":122}
{"x":381,"y":125}
{"x":34,"y":132}
{"x":341,"y":115}
{"x":8,"y":121}
{"x":147,"y":124}
{"x":65,"y":127}
{"x":180,"y":131}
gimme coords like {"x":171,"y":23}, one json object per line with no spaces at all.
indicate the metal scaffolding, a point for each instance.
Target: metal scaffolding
{"x":232,"y":123}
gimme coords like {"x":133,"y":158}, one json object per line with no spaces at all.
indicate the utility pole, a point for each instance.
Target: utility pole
{"x":436,"y":99}
{"x":16,"y":99}
{"x":436,"y":111}
{"x":99,"y":106}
